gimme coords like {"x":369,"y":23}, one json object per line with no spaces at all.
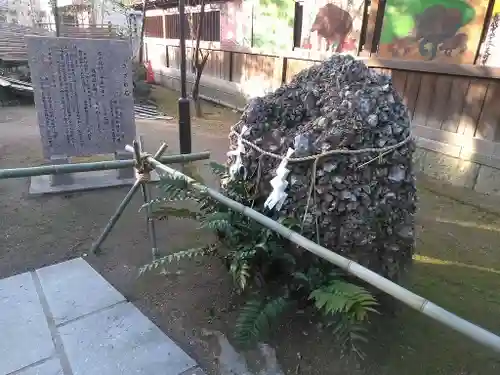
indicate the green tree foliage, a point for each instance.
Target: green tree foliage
{"x":273,"y":24}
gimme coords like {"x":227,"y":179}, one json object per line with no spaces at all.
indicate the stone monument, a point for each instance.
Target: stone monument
{"x":83,"y":94}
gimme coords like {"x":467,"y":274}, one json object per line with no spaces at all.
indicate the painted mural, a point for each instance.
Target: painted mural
{"x":332,"y":25}
{"x":436,"y":30}
{"x":263,"y":24}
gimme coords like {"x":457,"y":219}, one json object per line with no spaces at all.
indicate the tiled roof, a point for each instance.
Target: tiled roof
{"x":13,"y":46}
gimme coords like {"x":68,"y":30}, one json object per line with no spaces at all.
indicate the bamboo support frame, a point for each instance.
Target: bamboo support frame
{"x":94,"y":166}
{"x":409,"y":298}
{"x":137,"y":152}
{"x":146,"y":196}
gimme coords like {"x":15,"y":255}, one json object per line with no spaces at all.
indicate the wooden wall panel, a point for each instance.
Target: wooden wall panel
{"x":295,"y":66}
{"x":472,"y":107}
{"x":399,"y":81}
{"x":440,"y":97}
{"x":455,"y":105}
{"x":490,"y":113}
{"x":453,"y":101}
{"x":412,"y":89}
{"x":238,"y":65}
{"x":424,"y":99}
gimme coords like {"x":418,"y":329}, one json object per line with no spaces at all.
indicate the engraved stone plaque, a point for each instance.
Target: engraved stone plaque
{"x":83,"y":94}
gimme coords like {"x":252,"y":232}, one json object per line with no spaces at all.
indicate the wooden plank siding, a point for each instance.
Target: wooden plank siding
{"x":453,"y":102}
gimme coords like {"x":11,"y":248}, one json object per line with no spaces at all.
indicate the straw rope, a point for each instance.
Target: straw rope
{"x":381,"y":151}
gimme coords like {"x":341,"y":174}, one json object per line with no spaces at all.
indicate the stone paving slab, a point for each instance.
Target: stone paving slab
{"x":74,"y":289}
{"x":121,"y":340}
{"x":50,"y":367}
{"x":66,"y":319}
{"x":194,"y":371}
{"x":24,"y":333}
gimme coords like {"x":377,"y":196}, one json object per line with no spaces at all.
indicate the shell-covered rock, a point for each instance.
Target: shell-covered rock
{"x":359,"y":207}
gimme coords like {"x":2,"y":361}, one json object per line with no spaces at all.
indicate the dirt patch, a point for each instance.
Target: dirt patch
{"x":458,"y":265}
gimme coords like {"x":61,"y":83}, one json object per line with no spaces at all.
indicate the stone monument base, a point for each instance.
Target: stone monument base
{"x":81,"y":181}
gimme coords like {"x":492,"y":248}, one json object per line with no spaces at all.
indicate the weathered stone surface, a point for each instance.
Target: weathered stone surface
{"x":83,"y":181}
{"x":83,"y":94}
{"x":74,"y":289}
{"x":488,"y":180}
{"x":194,"y":371}
{"x":419,"y":159}
{"x":60,"y":179}
{"x":24,"y":334}
{"x":362,"y":205}
{"x":453,"y":170}
{"x":50,"y":367}
{"x":121,"y":340}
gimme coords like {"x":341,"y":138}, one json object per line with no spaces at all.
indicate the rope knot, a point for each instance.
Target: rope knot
{"x":143,"y":170}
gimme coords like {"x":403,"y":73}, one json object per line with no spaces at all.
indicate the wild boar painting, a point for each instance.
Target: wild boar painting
{"x":332,"y":25}
{"x":437,"y":30}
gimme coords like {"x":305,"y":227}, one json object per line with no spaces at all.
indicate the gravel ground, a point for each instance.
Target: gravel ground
{"x":457,"y":244}
{"x":50,"y":229}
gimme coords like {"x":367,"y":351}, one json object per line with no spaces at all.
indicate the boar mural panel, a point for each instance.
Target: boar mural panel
{"x":433,"y":30}
{"x":332,"y":25}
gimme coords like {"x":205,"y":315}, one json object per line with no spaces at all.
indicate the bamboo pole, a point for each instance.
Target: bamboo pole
{"x":96,"y":246}
{"x":146,"y":196}
{"x":411,"y":299}
{"x":94,"y":166}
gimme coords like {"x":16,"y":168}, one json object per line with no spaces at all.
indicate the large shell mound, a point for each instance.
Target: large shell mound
{"x":362,"y":204}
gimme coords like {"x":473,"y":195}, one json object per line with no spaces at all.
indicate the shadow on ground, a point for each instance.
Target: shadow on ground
{"x":457,"y":266}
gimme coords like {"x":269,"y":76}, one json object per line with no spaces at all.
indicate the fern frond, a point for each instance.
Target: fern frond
{"x":162,"y":211}
{"x":217,"y":221}
{"x":177,"y":256}
{"x":256,"y":318}
{"x":190,"y":169}
{"x":174,"y":188}
{"x":350,"y":334}
{"x":340,"y":297}
{"x":240,"y":272}
{"x":218,"y":169}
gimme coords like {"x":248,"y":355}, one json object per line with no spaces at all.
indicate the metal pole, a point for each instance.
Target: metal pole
{"x":251,"y":30}
{"x":94,"y":166}
{"x":184,"y":110}
{"x":413,"y":300}
{"x":55,"y":10}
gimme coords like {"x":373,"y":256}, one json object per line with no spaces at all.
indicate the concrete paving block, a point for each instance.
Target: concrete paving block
{"x":419,"y":159}
{"x":82,"y":181}
{"x":452,"y":170}
{"x":50,"y":367}
{"x":74,"y":289}
{"x":488,"y":180}
{"x":24,"y":333}
{"x":121,"y":340}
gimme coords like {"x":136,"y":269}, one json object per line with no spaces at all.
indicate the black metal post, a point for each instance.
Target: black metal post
{"x":251,"y":30}
{"x":184,"y":110}
{"x":55,"y":11}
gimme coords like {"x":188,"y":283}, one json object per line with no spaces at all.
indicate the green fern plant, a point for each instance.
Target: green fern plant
{"x":257,"y":318}
{"x":258,"y":258}
{"x":349,"y":305}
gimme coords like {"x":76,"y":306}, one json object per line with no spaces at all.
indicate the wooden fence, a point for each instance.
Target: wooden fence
{"x":458,"y":100}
